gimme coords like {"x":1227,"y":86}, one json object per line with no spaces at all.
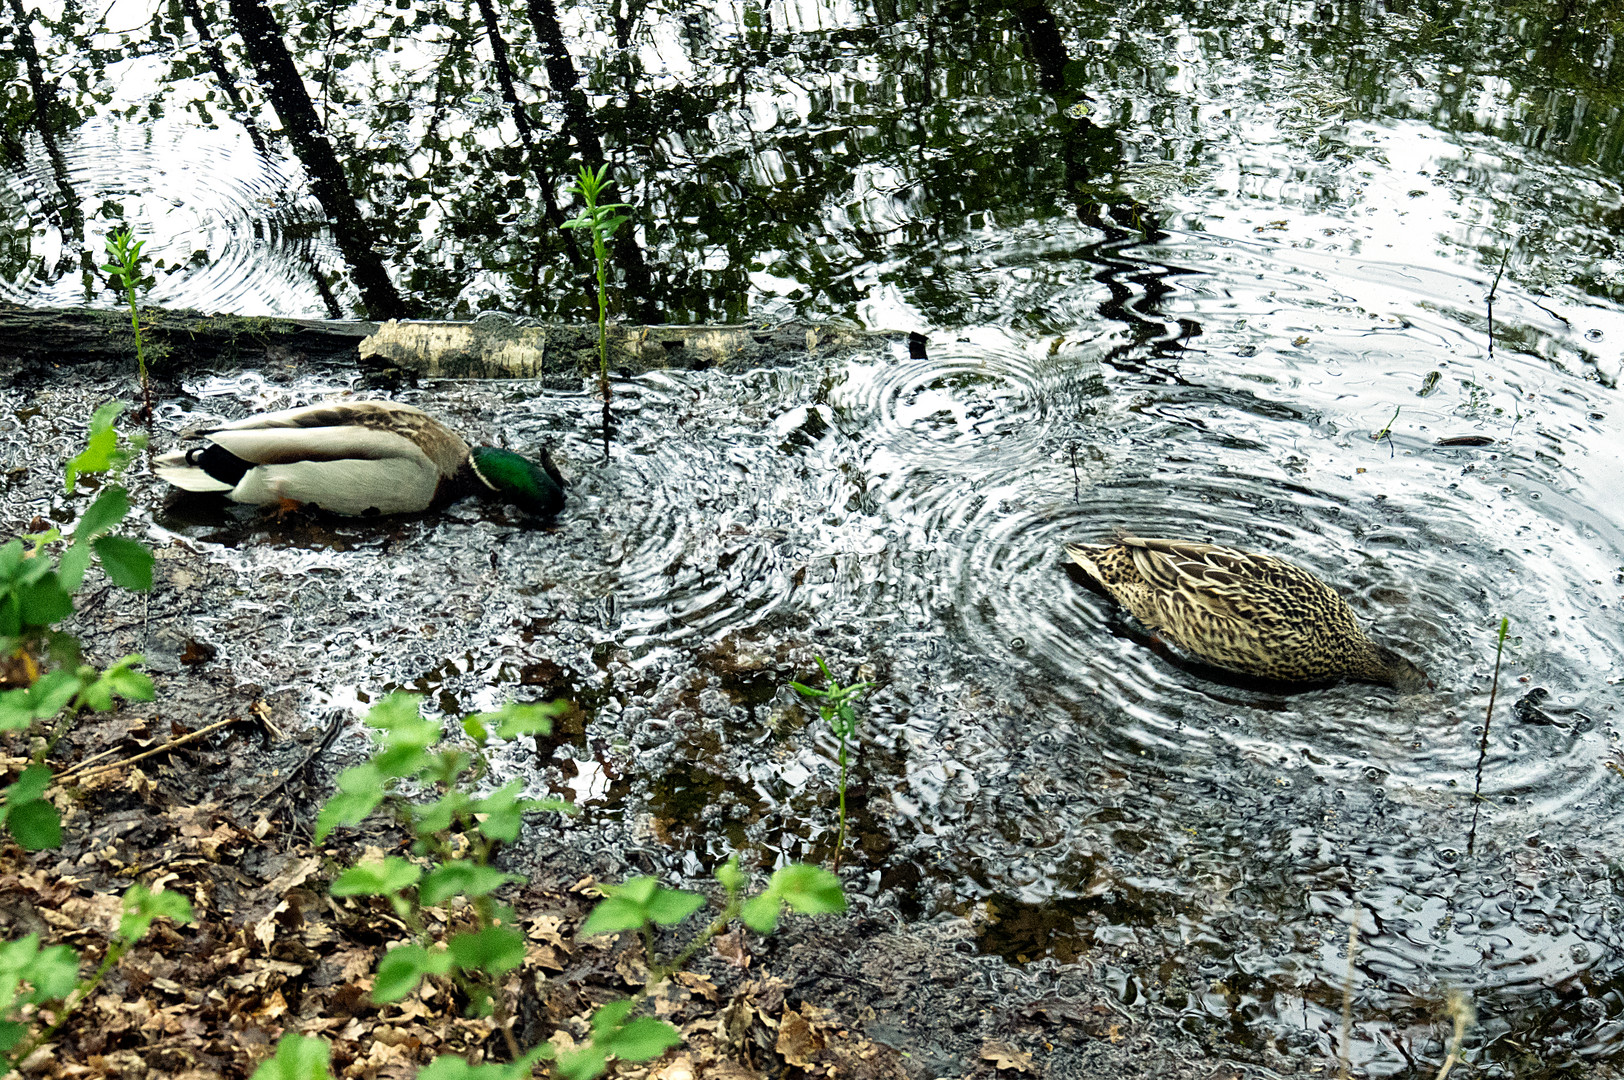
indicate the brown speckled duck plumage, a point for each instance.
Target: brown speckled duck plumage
{"x":1250,"y":613}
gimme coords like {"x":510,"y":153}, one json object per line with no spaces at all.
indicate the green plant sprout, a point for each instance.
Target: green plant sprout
{"x":603,"y":219}
{"x":643,"y":903}
{"x":125,"y":270}
{"x":1483,"y":745}
{"x":36,"y":594}
{"x":834,"y":705}
{"x":457,"y":833}
{"x":52,"y":974}
{"x":456,"y":836}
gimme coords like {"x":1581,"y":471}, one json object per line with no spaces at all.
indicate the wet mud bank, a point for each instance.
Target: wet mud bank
{"x":1069,"y":855}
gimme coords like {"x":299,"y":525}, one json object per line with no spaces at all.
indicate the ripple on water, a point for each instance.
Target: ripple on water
{"x":1028,"y":748}
{"x":226,"y":224}
{"x":1271,"y":449}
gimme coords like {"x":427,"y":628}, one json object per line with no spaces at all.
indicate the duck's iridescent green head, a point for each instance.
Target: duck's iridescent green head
{"x":535,"y":489}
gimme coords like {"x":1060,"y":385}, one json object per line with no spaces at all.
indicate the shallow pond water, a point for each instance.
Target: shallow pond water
{"x":1279,"y":339}
{"x":1029,"y":761}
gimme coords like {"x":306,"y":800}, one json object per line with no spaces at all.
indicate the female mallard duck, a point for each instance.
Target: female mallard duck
{"x":357,"y":457}
{"x":1254,"y":614}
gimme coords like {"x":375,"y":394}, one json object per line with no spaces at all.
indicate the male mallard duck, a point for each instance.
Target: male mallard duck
{"x":1254,"y":614}
{"x":357,"y":457}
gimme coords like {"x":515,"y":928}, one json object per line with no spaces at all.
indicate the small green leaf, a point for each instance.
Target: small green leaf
{"x":614,"y":915}
{"x":51,"y":694}
{"x":16,"y":711}
{"x":583,"y":1064}
{"x":495,"y":949}
{"x":53,"y":974}
{"x":729,"y":875}
{"x":29,"y":785}
{"x":298,"y":1057}
{"x":671,"y":906}
{"x":71,"y":568}
{"x":11,"y":1033}
{"x":643,"y":1039}
{"x":128,"y":563}
{"x":439,"y":815}
{"x":402,"y":969}
{"x":127,"y":683}
{"x":97,"y":456}
{"x":377,"y":878}
{"x":398,"y":716}
{"x":503,"y":811}
{"x":610,"y":1015}
{"x":399,"y":761}
{"x":470,"y":879}
{"x":142,"y":906}
{"x":810,"y":890}
{"x":346,"y":808}
{"x":516,"y":719}
{"x":760,"y":913}
{"x":448,"y":1067}
{"x":36,"y":825}
{"x":108,"y":510}
{"x":44,"y":601}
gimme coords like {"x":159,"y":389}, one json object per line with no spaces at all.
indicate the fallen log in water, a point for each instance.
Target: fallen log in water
{"x":491,"y":347}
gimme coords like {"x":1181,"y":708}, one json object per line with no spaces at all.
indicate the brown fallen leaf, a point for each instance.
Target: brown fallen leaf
{"x":731,"y":948}
{"x":698,"y":984}
{"x":682,"y":1068}
{"x":798,"y":1042}
{"x":1004,"y":1056}
{"x":295,"y":873}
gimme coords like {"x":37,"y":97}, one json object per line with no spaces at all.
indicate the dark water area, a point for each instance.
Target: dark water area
{"x":1218,"y":272}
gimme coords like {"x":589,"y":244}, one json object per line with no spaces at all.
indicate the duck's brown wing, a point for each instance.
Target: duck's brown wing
{"x":1220,"y":578}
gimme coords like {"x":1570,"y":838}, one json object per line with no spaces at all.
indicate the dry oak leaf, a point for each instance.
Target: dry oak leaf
{"x":101,"y":913}
{"x":682,"y":1068}
{"x":731,"y":948}
{"x":631,"y":967}
{"x":548,"y":929}
{"x":736,"y":1018}
{"x":1004,"y":1056}
{"x":730,"y":1070}
{"x":544,"y":956}
{"x":698,"y":984}
{"x":798,"y":1041}
{"x":293,"y":874}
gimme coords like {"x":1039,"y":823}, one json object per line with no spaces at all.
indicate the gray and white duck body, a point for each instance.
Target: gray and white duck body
{"x":357,"y":458}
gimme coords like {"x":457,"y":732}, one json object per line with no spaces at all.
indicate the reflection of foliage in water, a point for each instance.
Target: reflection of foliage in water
{"x":806,"y":166}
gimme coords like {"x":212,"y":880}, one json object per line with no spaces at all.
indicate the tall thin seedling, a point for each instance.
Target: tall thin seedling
{"x":834,"y":705}
{"x":1483,"y":747}
{"x":125,"y":270}
{"x":603,"y":219}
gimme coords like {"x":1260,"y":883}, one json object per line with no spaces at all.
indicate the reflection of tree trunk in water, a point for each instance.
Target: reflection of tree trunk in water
{"x":228,"y":83}
{"x":1087,"y":151}
{"x":262,"y":39}
{"x":223,"y":74}
{"x":578,"y":123}
{"x":68,"y":218}
{"x":544,"y":181}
